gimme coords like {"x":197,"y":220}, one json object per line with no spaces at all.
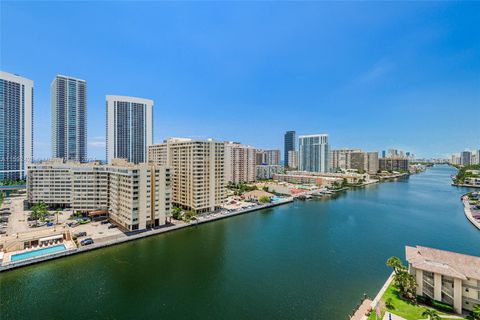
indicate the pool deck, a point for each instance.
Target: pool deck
{"x":7,"y":258}
{"x":148,"y":233}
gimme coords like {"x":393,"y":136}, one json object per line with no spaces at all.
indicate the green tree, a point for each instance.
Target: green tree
{"x":264,"y":199}
{"x":265,"y":188}
{"x":431,"y":314}
{"x":475,"y":313}
{"x":39,"y":212}
{"x":176,"y":211}
{"x":396,"y":264}
{"x":406,"y":284}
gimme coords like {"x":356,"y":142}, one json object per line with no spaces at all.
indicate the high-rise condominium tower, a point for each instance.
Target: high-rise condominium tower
{"x":69,"y":118}
{"x":198,"y":182}
{"x":239,"y":163}
{"x":16,"y":122}
{"x":129,"y":128}
{"x":289,"y":145}
{"x":465,"y":157}
{"x":313,"y":153}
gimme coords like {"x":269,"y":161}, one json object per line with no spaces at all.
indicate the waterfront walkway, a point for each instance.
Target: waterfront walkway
{"x":144,"y":234}
{"x":468,"y":212}
{"x":362,"y":310}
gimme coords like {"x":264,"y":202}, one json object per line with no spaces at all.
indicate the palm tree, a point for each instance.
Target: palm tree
{"x":431,"y":314}
{"x":406,"y":284}
{"x":57,"y":212}
{"x":39,"y":211}
{"x":396,"y":264}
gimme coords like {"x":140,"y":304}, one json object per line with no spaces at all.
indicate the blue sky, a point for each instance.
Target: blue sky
{"x":372,"y":75}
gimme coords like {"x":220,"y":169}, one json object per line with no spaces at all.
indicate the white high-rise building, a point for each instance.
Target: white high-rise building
{"x":16,"y":122}
{"x":129,"y":128}
{"x":198,"y":171}
{"x":69,"y":118}
{"x":239,"y":163}
{"x":314,"y":153}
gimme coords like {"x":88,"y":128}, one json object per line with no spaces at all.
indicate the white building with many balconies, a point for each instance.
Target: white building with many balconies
{"x":449,"y":277}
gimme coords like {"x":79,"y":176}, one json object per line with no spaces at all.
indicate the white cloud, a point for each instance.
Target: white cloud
{"x":378,"y":70}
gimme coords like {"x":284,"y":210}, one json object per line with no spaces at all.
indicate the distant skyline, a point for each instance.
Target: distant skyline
{"x":373,"y":76}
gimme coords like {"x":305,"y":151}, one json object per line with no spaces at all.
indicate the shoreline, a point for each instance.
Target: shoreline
{"x":464,"y":185}
{"x":379,"y":295}
{"x":152,"y":232}
{"x":468,"y":213}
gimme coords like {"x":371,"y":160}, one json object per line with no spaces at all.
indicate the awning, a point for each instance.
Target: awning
{"x":59,"y":236}
{"x":98,"y":213}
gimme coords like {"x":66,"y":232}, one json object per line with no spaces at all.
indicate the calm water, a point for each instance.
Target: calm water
{"x":307,"y":260}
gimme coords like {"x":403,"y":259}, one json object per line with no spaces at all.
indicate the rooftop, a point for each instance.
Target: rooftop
{"x":447,"y":263}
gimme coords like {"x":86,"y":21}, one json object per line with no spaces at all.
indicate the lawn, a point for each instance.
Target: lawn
{"x":401,"y":307}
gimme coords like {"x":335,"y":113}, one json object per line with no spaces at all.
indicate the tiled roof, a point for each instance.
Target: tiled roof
{"x":444,"y":262}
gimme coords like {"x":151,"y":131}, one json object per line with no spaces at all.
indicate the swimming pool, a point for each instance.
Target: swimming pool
{"x":36,"y":253}
{"x":276,"y":199}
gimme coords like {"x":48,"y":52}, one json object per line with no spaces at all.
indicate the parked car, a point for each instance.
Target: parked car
{"x":80,"y":234}
{"x":86,"y":242}
{"x":112,"y":226}
{"x":105,"y":222}
{"x":73,"y":224}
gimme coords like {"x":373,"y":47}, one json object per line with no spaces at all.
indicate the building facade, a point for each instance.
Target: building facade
{"x":16,"y":123}
{"x":372,"y":162}
{"x":341,"y":158}
{"x":69,"y":118}
{"x":198,"y":182}
{"x":449,"y":277}
{"x":289,"y":145}
{"x":266,"y":171}
{"x":358,"y":161}
{"x":136,"y":196}
{"x":129,"y":128}
{"x":239,"y":163}
{"x":314,"y":153}
{"x":393,"y":164}
{"x":292,"y":159}
{"x":465,"y":157}
{"x":272,"y":157}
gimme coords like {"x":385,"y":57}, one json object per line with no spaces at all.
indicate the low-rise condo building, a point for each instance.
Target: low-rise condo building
{"x":198,"y":182}
{"x":307,"y":179}
{"x":449,"y":277}
{"x":266,"y":171}
{"x":136,"y":196}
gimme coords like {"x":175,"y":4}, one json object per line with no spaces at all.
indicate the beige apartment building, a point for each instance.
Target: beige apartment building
{"x":271,"y":157}
{"x":239,"y":163}
{"x":364,"y":161}
{"x":198,"y":182}
{"x":341,"y":158}
{"x":449,"y":277}
{"x":136,"y":196}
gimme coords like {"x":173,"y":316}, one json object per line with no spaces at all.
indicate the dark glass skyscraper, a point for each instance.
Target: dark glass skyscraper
{"x":129,"y":128}
{"x":69,"y":118}
{"x":289,"y":145}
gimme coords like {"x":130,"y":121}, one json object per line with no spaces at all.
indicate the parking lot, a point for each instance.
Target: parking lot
{"x":18,"y":222}
{"x":97,"y":231}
